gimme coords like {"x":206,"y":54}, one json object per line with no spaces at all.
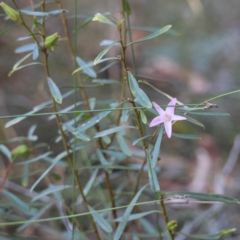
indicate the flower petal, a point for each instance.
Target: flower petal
{"x":156,"y":121}
{"x":170,"y":110}
{"x":160,"y":111}
{"x":168,"y":128}
{"x":176,"y":117}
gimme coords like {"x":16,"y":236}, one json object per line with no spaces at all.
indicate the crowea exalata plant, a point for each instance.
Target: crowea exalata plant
{"x":91,"y":182}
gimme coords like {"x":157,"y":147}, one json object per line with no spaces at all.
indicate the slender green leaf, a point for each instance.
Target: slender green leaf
{"x":6,"y":152}
{"x":26,"y":48}
{"x":204,"y":196}
{"x":55,"y":91}
{"x":89,"y":20}
{"x":6,"y":30}
{"x":111,"y":130}
{"x":42,"y":156}
{"x":210,"y":113}
{"x":143,"y":116}
{"x":124,"y":218}
{"x":100,"y":221}
{"x":57,"y":11}
{"x":51,"y":189}
{"x":24,"y":66}
{"x":133,"y":84}
{"x":126,"y":6}
{"x":140,"y":139}
{"x":105,"y":81}
{"x":186,"y":136}
{"x":88,"y":70}
{"x":101,"y":54}
{"x":101,"y":158}
{"x":37,"y":14}
{"x":153,"y":35}
{"x":156,"y":150}
{"x":153,"y":180}
{"x":101,"y":18}
{"x":136,"y":216}
{"x":82,"y":136}
{"x":92,"y":64}
{"x":25,"y":175}
{"x":194,"y":121}
{"x":123,"y":145}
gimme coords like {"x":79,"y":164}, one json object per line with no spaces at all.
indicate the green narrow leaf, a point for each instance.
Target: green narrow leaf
{"x":51,"y":189}
{"x":140,"y":139}
{"x":82,"y":136}
{"x":101,"y":158}
{"x":88,"y":71}
{"x":54,"y":91}
{"x":126,"y":215}
{"x":133,"y":84}
{"x":123,"y":145}
{"x":101,"y":54}
{"x":204,"y":196}
{"x":210,"y":113}
{"x":136,"y":216}
{"x":194,"y":121}
{"x":100,"y":221}
{"x":101,"y":18}
{"x":186,"y":136}
{"x":34,"y":159}
{"x":25,"y":175}
{"x":143,"y":116}
{"x":84,"y":24}
{"x":156,"y":150}
{"x":6,"y":30}
{"x":153,"y":181}
{"x":112,"y":130}
{"x":126,"y":6}
{"x":24,"y":66}
{"x":37,"y":14}
{"x":153,"y":35}
{"x":6,"y":152}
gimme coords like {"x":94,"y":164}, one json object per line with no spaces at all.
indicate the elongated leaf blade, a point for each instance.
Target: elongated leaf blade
{"x":101,"y":158}
{"x":88,"y":70}
{"x":101,"y":54}
{"x":100,"y":221}
{"x":6,"y":152}
{"x":55,"y":91}
{"x":153,"y":35}
{"x":123,"y":145}
{"x":111,"y":130}
{"x":156,"y":150}
{"x":136,"y":216}
{"x":140,"y":139}
{"x":133,"y":83}
{"x":143,"y":99}
{"x":194,"y":121}
{"x":210,"y":113}
{"x":82,"y":136}
{"x":37,"y":14}
{"x":186,"y":136}
{"x":143,"y":116}
{"x":204,"y":196}
{"x":101,"y":18}
{"x":126,"y":215}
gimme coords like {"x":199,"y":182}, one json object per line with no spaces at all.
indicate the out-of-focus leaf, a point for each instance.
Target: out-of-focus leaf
{"x":156,"y":150}
{"x":6,"y":152}
{"x":57,"y":11}
{"x":101,"y":18}
{"x":30,"y":133}
{"x":111,"y":130}
{"x":23,"y":66}
{"x":136,"y":216}
{"x":194,"y":121}
{"x":140,"y":139}
{"x":210,"y":113}
{"x":186,"y":136}
{"x":105,"y":81}
{"x":20,"y":151}
{"x":86,"y":67}
{"x":92,"y":64}
{"x":35,"y":52}
{"x":37,"y":14}
{"x":88,"y":186}
{"x":21,"y":205}
{"x":89,"y":20}
{"x":101,"y":158}
{"x":100,"y":221}
{"x":126,"y":6}
{"x":143,"y":116}
{"x":101,"y":54}
{"x":6,"y":30}
{"x":123,"y":145}
{"x":126,"y":215}
{"x":213,"y":236}
{"x":54,"y":90}
{"x":204,"y":196}
{"x":37,"y":216}
{"x":49,"y":190}
{"x":107,"y":42}
{"x":82,"y":136}
{"x":26,"y":48}
{"x":153,"y":35}
{"x":25,"y":175}
{"x":35,"y":159}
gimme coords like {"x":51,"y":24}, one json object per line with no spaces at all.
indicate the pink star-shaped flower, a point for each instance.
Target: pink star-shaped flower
{"x":166,"y":117}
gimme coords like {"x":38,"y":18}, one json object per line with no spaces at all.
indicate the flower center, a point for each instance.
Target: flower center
{"x":167,"y":117}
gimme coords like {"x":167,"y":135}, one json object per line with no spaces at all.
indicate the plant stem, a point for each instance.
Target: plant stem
{"x":85,"y":98}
